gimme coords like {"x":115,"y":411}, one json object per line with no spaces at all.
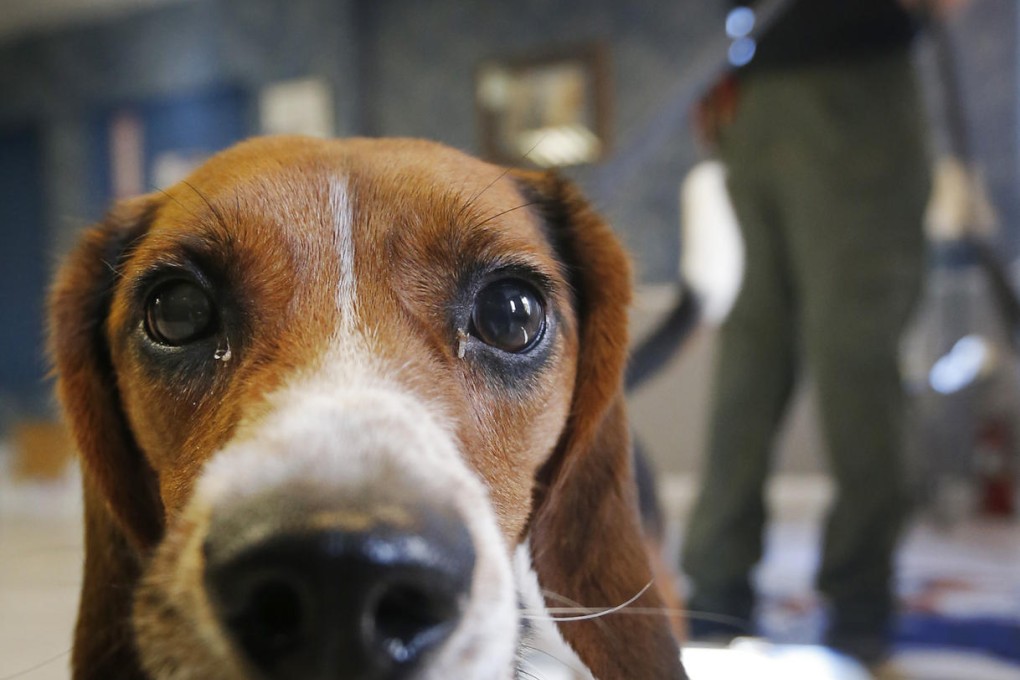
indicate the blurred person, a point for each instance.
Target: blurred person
{"x":824,"y":139}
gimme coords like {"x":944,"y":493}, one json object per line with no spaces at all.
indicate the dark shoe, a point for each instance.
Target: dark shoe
{"x":718,"y":618}
{"x":868,"y":650}
{"x":862,"y":633}
{"x":716,"y":629}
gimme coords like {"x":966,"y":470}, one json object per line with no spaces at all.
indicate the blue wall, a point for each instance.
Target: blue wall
{"x":22,"y":271}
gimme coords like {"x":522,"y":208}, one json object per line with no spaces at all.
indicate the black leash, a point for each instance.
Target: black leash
{"x":662,"y":344}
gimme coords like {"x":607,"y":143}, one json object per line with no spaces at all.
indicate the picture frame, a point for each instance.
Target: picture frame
{"x":545,"y":110}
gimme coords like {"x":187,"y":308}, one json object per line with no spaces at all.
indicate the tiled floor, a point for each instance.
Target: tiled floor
{"x":40,"y":556}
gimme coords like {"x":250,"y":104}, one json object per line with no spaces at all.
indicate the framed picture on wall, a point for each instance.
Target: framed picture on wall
{"x":545,"y":110}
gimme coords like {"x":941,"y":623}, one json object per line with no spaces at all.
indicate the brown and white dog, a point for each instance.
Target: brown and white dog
{"x":339,"y":403}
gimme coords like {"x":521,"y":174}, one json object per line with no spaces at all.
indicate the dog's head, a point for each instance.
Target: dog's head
{"x":323,"y":392}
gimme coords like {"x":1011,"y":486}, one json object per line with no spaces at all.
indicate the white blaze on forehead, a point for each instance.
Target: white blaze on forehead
{"x":342,"y":215}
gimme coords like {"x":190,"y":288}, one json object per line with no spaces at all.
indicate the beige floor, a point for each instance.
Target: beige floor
{"x":40,"y":572}
{"x":41,"y":550}
{"x":40,"y":562}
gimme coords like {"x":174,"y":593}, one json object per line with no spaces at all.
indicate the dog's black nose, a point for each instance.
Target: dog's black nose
{"x":340,"y":595}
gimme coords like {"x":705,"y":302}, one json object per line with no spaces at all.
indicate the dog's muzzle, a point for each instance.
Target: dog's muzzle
{"x":314,"y":588}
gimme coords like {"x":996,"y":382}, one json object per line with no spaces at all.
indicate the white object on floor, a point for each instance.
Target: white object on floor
{"x":753,"y":658}
{"x":744,"y":658}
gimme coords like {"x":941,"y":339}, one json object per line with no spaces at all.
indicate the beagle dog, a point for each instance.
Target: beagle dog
{"x":340,"y":406}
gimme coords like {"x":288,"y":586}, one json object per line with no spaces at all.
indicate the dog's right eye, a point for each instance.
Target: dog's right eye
{"x":178,"y":312}
{"x":509,"y":315}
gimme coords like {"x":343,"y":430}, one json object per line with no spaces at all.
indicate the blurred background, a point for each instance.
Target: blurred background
{"x":101,"y":99}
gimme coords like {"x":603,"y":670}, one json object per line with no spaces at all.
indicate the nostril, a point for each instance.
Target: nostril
{"x":271,"y":622}
{"x":370,"y":602}
{"x":407,"y":619}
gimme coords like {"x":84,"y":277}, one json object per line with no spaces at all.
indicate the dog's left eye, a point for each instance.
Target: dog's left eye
{"x":509,"y":315}
{"x":178,"y":312}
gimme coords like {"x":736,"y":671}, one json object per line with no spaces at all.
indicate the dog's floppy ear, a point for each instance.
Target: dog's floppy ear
{"x":123,"y":513}
{"x":86,"y":384}
{"x":585,"y":533}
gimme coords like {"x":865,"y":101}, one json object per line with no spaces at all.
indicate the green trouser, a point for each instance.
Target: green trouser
{"x":828,"y":174}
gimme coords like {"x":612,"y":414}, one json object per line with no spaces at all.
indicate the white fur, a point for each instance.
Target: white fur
{"x":343,"y":226}
{"x":543,"y":640}
{"x":347,"y":428}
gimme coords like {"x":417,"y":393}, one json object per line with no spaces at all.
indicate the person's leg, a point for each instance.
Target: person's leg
{"x":753,"y":380}
{"x":856,"y":211}
{"x":852,"y":350}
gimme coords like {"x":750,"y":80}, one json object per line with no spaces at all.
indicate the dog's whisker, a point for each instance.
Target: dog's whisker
{"x":546,"y":653}
{"x":589,"y":612}
{"x":504,"y":212}
{"x":471,"y":201}
{"x":217,"y":213}
{"x":556,"y":597}
{"x":176,"y":200}
{"x":526,"y":154}
{"x":735,"y":621}
{"x":650,"y":611}
{"x":550,"y":595}
{"x":39,"y":666}
{"x":112,"y":268}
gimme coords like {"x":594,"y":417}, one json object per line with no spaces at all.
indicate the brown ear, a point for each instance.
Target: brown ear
{"x":86,"y":384}
{"x":585,"y":533}
{"x":123,"y":514}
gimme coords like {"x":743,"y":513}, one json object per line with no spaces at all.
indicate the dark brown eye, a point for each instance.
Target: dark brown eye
{"x":509,"y":315}
{"x":178,"y":312}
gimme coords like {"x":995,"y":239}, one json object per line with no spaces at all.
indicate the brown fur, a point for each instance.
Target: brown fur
{"x":585,"y":502}
{"x":256,"y":210}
